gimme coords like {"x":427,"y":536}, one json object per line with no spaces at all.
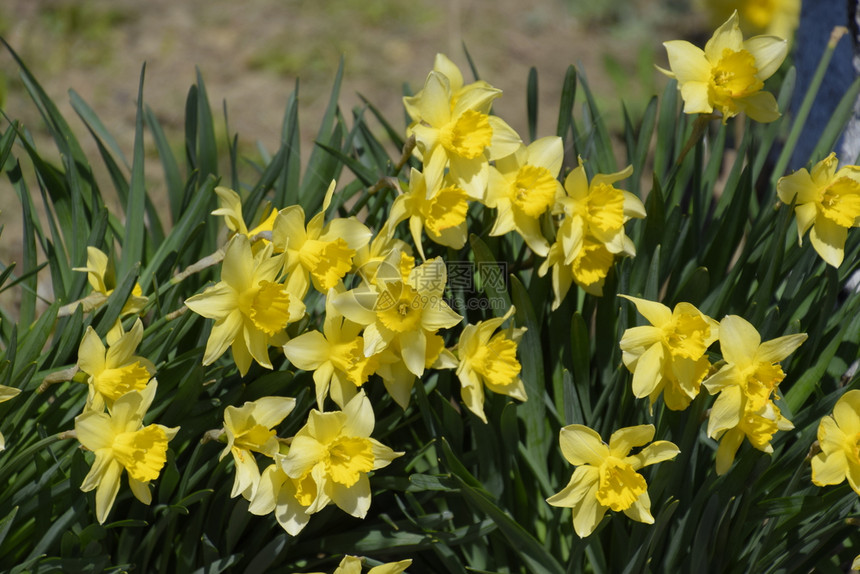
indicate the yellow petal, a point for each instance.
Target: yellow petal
{"x":727,"y":410}
{"x":648,"y":373}
{"x":828,"y":469}
{"x":688,"y":63}
{"x":308,"y":351}
{"x":846,"y":412}
{"x":769,"y":53}
{"x":780,"y":348}
{"x":726,"y":37}
{"x":656,"y":313}
{"x":589,"y":513}
{"x":696,"y":98}
{"x":653,"y":453}
{"x":355,"y":499}
{"x":583,"y":478}
{"x":107,"y":490}
{"x":760,"y":106}
{"x":828,"y":239}
{"x":91,"y":353}
{"x":582,"y":445}
{"x":728,"y":447}
{"x":626,"y":439}
{"x":640,"y":510}
{"x":739,"y":340}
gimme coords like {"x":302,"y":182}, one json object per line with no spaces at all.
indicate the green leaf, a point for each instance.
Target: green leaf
{"x":133,"y":243}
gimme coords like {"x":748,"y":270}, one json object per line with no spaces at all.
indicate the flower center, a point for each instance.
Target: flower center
{"x":444,"y":210}
{"x":468,"y":136}
{"x":605,"y":209}
{"x":114,"y":383}
{"x":840,"y":202}
{"x":619,"y":485}
{"x":685,"y":336}
{"x":306,"y":489}
{"x":348,"y":459}
{"x":534,"y":189}
{"x":733,"y":77}
{"x":402,"y":314}
{"x":497,"y":361}
{"x":270,"y":309}
{"x":349,"y":358}
{"x":327,"y":261}
{"x":142,"y":452}
{"x":255,"y":438}
{"x":761,"y":383}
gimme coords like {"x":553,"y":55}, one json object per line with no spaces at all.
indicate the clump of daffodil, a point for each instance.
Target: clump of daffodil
{"x":827,"y":203}
{"x":102,"y":278}
{"x":522,"y":187}
{"x":453,"y":128}
{"x":606,"y":477}
{"x":838,"y":437}
{"x":121,"y":442}
{"x":336,"y":356}
{"x":115,"y":370}
{"x":489,"y":358}
{"x":250,"y":307}
{"x":668,"y":356}
{"x":746,"y":382}
{"x":230,"y":207}
{"x":336,"y":451}
{"x":729,"y":74}
{"x":352,"y":565}
{"x":405,"y":307}
{"x":592,"y":231}
{"x":248,"y":429}
{"x":6,"y":393}
{"x":323,"y":251}
{"x":441,"y":212}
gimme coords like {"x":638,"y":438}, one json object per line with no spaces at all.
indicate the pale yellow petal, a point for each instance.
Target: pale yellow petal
{"x":828,"y":239}
{"x":828,"y":469}
{"x":760,"y":106}
{"x":739,"y":340}
{"x":648,"y":373}
{"x":780,"y":348}
{"x":688,"y":62}
{"x":91,"y":353}
{"x":728,"y":448}
{"x":355,"y":499}
{"x":769,"y":53}
{"x":726,"y":37}
{"x":583,"y":478}
{"x":846,"y":412}
{"x":308,"y":351}
{"x":107,"y":490}
{"x":224,"y":332}
{"x":696,"y":98}
{"x":640,"y":510}
{"x":653,"y":453}
{"x":727,"y":410}
{"x":626,"y":439}
{"x":582,"y":445}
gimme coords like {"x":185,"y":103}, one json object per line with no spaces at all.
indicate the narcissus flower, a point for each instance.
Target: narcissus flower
{"x":489,"y":358}
{"x":336,"y":451}
{"x":323,"y":251}
{"x":249,"y":429}
{"x":121,"y":442}
{"x":441,"y":212}
{"x":729,"y":74}
{"x":453,"y":127}
{"x":115,"y":370}
{"x":839,"y":437}
{"x":522,"y":187}
{"x":251,"y":309}
{"x":669,"y":355}
{"x":230,"y":207}
{"x":606,"y":477}
{"x":592,"y":231}
{"x":6,"y":393}
{"x":102,"y":278}
{"x":750,"y":375}
{"x":336,"y":356}
{"x":827,"y":203}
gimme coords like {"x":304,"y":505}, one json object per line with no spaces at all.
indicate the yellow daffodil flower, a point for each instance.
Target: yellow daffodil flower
{"x":592,"y":231}
{"x":453,"y":127}
{"x":489,"y":359}
{"x":323,"y":251}
{"x":251,"y":309}
{"x":757,"y":426}
{"x":249,"y":429}
{"x":288,"y":498}
{"x":101,"y":277}
{"x":352,"y":565}
{"x":402,"y":309}
{"x":523,"y":186}
{"x":729,"y":74}
{"x":750,"y":375}
{"x":6,"y":393}
{"x":668,"y":356}
{"x":336,"y":356}
{"x":121,"y":442}
{"x":827,"y":203}
{"x":441,"y":213}
{"x":230,"y":207}
{"x":336,"y":451}
{"x":606,"y":477}
{"x":115,"y":370}
{"x":838,"y":436}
